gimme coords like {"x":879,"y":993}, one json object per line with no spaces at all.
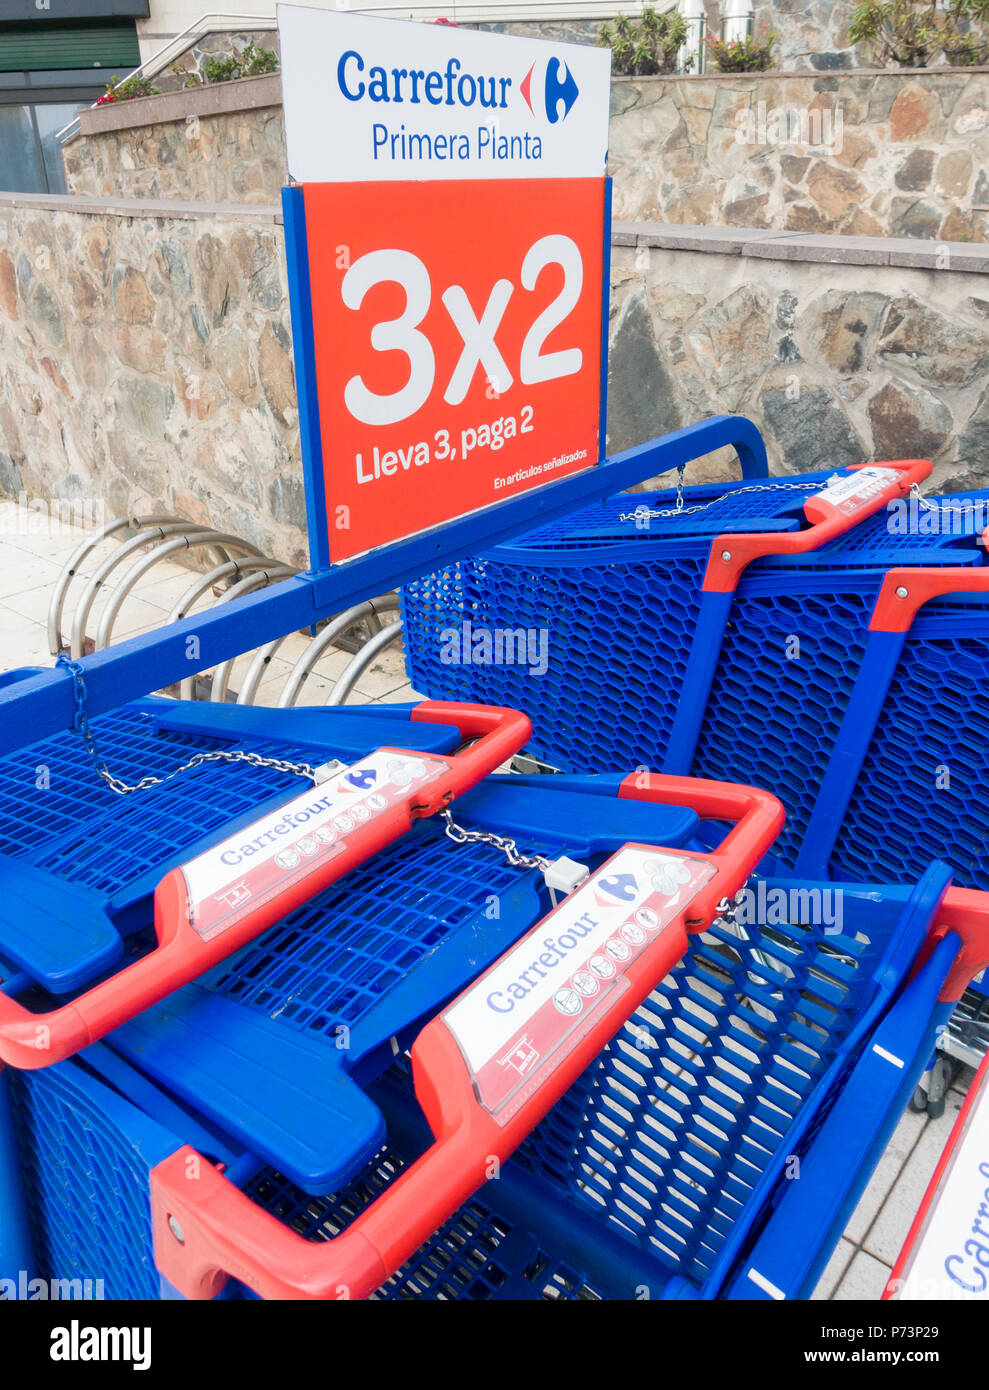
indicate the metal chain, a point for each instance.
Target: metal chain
{"x":726,"y":909}
{"x":926,"y":505}
{"x":460,"y":835}
{"x":649,"y":513}
{"x":82,"y":727}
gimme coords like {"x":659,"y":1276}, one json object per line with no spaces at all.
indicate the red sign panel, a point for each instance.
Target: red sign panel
{"x":457,"y":343}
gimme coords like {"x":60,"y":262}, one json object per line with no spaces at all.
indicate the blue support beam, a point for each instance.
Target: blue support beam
{"x":44,"y":704}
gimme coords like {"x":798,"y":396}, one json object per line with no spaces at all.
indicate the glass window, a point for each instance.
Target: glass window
{"x":21,"y":166}
{"x":50,"y":120}
{"x":30,"y":155}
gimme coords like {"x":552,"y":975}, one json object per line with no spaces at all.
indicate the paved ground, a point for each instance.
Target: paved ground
{"x":30,"y":562}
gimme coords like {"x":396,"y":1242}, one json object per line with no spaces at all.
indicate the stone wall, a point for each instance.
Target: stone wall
{"x":813,"y":34}
{"x":145,"y":354}
{"x":839,"y":350}
{"x":145,"y":363}
{"x":189,"y":65}
{"x":220,"y":144}
{"x":897,"y":154}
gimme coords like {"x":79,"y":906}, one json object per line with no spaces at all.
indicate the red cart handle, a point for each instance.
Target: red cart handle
{"x":831,"y":512}
{"x":211,"y":906}
{"x":964,"y":911}
{"x":489,"y":1068}
{"x":905,"y":591}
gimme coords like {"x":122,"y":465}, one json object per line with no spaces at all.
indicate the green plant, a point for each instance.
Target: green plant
{"x":963,"y":40}
{"x":185,"y":76}
{"x":133,"y":86}
{"x":911,"y":33}
{"x":252,"y":62}
{"x":754,"y":54}
{"x":645,"y":46}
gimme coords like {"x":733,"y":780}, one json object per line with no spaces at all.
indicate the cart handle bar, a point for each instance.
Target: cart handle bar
{"x":965,"y":912}
{"x":196,"y":927}
{"x":829,"y":517}
{"x":905,"y":591}
{"x":206,"y":1229}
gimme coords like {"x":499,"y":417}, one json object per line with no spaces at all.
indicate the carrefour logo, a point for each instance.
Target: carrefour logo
{"x":449,"y":87}
{"x":452,"y":86}
{"x":560,"y":91}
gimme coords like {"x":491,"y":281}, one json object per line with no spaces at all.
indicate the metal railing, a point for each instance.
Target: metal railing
{"x":206,"y":24}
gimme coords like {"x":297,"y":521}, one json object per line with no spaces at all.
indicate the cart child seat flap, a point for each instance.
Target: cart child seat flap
{"x":59,"y":933}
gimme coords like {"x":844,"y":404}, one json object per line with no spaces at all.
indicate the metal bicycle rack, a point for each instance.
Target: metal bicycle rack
{"x":166,"y":535}
{"x":239,"y":568}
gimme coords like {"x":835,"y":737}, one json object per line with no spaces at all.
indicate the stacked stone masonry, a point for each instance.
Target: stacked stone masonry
{"x":145,"y":355}
{"x":859,"y":153}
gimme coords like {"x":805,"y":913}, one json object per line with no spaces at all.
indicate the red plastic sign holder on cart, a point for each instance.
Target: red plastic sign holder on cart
{"x":490,"y":1067}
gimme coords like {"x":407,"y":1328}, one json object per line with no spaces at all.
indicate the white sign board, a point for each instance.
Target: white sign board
{"x":540,"y":998}
{"x":368,"y":100}
{"x":262,"y":861}
{"x":950,"y":1257}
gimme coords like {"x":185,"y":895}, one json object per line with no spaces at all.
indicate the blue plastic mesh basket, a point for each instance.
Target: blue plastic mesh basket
{"x":85,"y":1159}
{"x":80,"y":831}
{"x":663,"y":1141}
{"x":332,"y":960}
{"x":481,"y":1254}
{"x":328,"y":963}
{"x":921,"y":789}
{"x":772,"y":718}
{"x":618,"y":608}
{"x":654,"y":1162}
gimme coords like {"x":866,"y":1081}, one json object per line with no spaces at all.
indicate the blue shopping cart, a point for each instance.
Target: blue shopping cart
{"x":665,"y":1169}
{"x":274,"y":1048}
{"x":78,"y":904}
{"x":644,"y":666}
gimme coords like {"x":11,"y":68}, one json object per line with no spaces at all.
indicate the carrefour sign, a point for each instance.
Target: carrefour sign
{"x":380,"y":99}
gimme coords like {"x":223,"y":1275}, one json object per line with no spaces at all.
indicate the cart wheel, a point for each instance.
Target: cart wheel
{"x":918,"y":1101}
{"x":943,"y":1073}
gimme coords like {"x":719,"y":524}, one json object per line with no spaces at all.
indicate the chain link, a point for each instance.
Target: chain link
{"x":460,"y":835}
{"x":928,"y":506}
{"x":651,"y":513}
{"x":727,"y":909}
{"x":663,"y":513}
{"x":82,"y":727}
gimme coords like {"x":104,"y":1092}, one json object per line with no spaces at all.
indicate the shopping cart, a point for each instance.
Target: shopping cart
{"x":785,"y":694}
{"x":70,"y":899}
{"x":663,"y":1171}
{"x":275,"y":1047}
{"x":946,"y":1252}
{"x":663,"y":1166}
{"x":634,"y":597}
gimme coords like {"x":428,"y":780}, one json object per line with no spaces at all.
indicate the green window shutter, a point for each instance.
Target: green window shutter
{"x":51,"y":47}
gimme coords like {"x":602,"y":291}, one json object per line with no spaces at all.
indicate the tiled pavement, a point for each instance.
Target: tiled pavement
{"x":30,"y":562}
